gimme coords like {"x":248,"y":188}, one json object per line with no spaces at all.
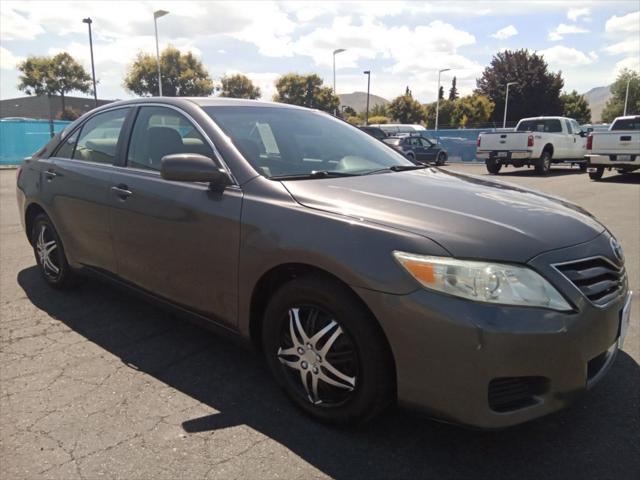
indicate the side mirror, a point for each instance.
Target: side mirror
{"x":582,"y":133}
{"x":192,"y":167}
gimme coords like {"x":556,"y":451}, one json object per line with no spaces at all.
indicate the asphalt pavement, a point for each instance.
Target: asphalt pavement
{"x":96,"y":383}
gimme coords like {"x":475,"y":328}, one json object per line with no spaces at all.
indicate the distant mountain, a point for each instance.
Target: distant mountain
{"x":358,"y":100}
{"x":597,"y":99}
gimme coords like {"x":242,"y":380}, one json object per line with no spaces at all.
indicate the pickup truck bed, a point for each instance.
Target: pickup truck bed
{"x":617,"y":148}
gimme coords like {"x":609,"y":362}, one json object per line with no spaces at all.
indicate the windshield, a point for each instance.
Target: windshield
{"x":286,"y":141}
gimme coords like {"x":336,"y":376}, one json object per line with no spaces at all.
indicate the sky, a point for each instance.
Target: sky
{"x":401,"y":43}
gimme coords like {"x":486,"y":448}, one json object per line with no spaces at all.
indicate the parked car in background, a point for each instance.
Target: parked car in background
{"x":395,"y":128}
{"x":618,"y":148}
{"x":536,"y":142}
{"x":375,"y":132}
{"x":362,"y":278}
{"x":417,"y":148}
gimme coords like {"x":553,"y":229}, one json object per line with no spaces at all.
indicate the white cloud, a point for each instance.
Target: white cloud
{"x":8,"y":60}
{"x":630,"y":45}
{"x":564,"y":29}
{"x":626,"y":23}
{"x":632,"y":63}
{"x":575,"y":14}
{"x":505,"y":33}
{"x":560,"y":56}
{"x":15,"y":25}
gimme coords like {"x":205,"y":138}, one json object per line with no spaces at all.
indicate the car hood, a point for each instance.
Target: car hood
{"x":469,"y":216}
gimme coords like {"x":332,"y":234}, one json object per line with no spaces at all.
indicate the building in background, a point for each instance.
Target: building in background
{"x":38,"y":106}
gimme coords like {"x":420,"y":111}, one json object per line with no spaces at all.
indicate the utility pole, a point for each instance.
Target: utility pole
{"x":88,"y":21}
{"x":366,"y":114}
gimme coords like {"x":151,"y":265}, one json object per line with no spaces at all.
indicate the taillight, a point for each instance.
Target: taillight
{"x":530,"y":141}
{"x":590,"y":141}
{"x":478,"y":141}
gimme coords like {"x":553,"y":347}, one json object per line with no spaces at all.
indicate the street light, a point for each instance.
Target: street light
{"x":438,"y":96}
{"x":366,"y":114}
{"x":506,"y":101}
{"x":93,"y":68}
{"x":156,"y":15}
{"x":335,"y":52}
{"x":626,"y":97}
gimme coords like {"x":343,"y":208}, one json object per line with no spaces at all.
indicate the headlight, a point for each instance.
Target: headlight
{"x":482,"y":281}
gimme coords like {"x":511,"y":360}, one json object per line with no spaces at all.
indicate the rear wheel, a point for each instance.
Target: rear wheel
{"x":326,"y":352}
{"x":493,"y":166}
{"x":597,"y":175}
{"x":583,"y":166}
{"x":543,"y":165}
{"x":50,"y":255}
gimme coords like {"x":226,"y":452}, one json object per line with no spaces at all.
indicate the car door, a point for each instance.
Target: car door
{"x":77,"y":182}
{"x":429,"y":150}
{"x":579,"y":146}
{"x":178,"y":240}
{"x":416,"y":148}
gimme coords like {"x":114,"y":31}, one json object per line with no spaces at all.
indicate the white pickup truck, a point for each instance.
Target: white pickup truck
{"x":618,"y":148}
{"x":537,"y":142}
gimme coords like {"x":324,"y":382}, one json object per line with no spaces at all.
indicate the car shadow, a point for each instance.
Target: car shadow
{"x":628,"y":178}
{"x":530,"y":172}
{"x":596,"y":438}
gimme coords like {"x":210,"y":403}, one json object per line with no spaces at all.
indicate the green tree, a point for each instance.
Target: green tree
{"x":379,"y":110}
{"x":453,"y":91}
{"x":615,"y":106}
{"x":575,"y":106}
{"x":445,"y":114}
{"x":405,"y":109}
{"x":379,"y":119}
{"x":348,"y":111}
{"x":239,"y":86}
{"x":441,"y":93}
{"x":471,"y":110}
{"x":183,"y":75}
{"x":306,"y":91}
{"x":537,"y":91}
{"x":57,"y":75}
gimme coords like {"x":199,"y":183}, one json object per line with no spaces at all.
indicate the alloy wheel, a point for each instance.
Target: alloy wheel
{"x":319,"y":358}
{"x":46,"y":248}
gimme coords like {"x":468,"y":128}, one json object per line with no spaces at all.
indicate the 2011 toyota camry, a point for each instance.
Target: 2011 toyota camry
{"x":363,"y":278}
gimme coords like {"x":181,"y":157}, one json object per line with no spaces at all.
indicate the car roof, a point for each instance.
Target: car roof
{"x":202,"y":102}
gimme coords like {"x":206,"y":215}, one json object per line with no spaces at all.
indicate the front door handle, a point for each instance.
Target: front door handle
{"x":122,"y":191}
{"x":50,"y":174}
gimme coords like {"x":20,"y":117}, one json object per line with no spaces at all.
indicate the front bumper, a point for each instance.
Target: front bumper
{"x":455,"y":357}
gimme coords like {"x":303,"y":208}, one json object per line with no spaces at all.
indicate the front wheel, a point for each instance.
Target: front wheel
{"x":327,"y":352}
{"x":493,"y":166}
{"x":543,"y":165}
{"x":597,"y":175}
{"x":49,"y":253}
{"x":441,"y":158}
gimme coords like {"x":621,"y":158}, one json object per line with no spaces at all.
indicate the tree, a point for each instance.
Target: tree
{"x":575,"y":106}
{"x":379,"y":110}
{"x":182,"y":75}
{"x":615,"y":106}
{"x":379,"y":119}
{"x":405,"y":109}
{"x":453,"y":91}
{"x":441,"y":93}
{"x":445,"y":113}
{"x":57,"y":75}
{"x":239,"y":86}
{"x":348,"y":111}
{"x":471,"y":110}
{"x":537,"y":91}
{"x":306,"y":91}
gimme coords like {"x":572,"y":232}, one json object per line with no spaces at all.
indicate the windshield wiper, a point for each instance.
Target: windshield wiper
{"x":314,"y":174}
{"x":398,"y":168}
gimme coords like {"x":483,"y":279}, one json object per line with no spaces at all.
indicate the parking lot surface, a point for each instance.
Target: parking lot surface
{"x":96,"y":383}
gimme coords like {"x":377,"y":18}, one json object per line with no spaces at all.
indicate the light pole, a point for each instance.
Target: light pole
{"x":156,"y":15}
{"x":438,"y":95}
{"x":506,"y":101}
{"x":93,"y":68}
{"x":626,"y":97}
{"x":335,"y":52}
{"x":366,"y":113}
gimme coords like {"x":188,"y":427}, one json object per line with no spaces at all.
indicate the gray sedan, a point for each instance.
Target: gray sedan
{"x":363,"y":278}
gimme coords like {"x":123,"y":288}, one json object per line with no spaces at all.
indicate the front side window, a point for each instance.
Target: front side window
{"x":300,"y":142}
{"x":160,"y":131}
{"x":98,"y":138}
{"x":425,"y":143}
{"x":569,"y":126}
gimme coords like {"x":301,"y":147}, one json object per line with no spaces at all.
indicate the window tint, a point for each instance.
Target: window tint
{"x":68,"y":145}
{"x":576,"y":126}
{"x":627,"y":124}
{"x":160,"y":131}
{"x":99,"y":137}
{"x":425,"y":143}
{"x":541,"y":125}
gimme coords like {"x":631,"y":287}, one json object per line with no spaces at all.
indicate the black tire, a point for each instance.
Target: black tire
{"x":583,"y":166}
{"x":53,"y":265}
{"x":623,"y":172}
{"x":411,"y":157}
{"x":363,"y":354}
{"x":543,"y":165}
{"x":441,"y":159}
{"x":597,"y":175}
{"x":493,"y":166}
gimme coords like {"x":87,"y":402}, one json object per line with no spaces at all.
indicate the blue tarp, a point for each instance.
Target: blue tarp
{"x":21,"y":138}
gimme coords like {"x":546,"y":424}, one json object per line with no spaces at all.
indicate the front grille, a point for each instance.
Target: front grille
{"x":597,"y":278}
{"x":513,"y":393}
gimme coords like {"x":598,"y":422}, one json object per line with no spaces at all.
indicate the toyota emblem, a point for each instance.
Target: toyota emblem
{"x":617,"y":249}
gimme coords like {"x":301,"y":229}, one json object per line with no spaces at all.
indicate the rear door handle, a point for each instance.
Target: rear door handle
{"x":122,"y":191}
{"x":50,"y":174}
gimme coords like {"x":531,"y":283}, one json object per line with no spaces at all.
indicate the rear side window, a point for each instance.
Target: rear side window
{"x":98,"y":138}
{"x":68,"y":145}
{"x":160,"y":131}
{"x":627,"y":124}
{"x":541,"y":125}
